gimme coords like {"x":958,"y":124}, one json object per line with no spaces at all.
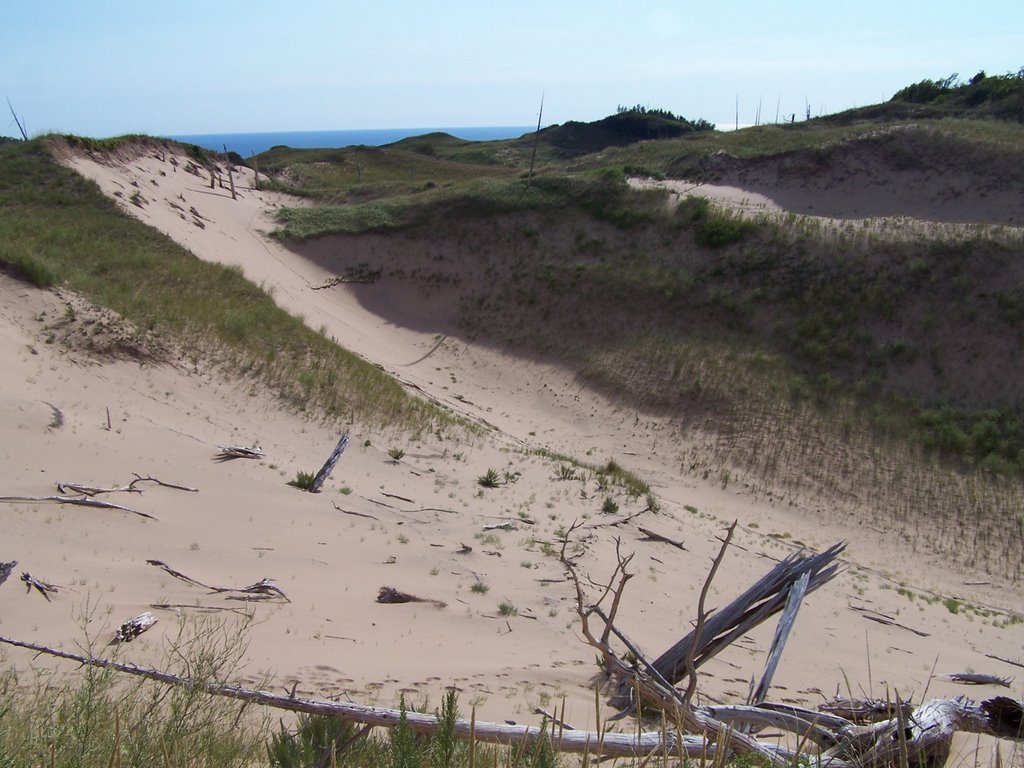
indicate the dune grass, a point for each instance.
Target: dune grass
{"x":56,"y":228}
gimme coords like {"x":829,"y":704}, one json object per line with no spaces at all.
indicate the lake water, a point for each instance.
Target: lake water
{"x":247,"y":144}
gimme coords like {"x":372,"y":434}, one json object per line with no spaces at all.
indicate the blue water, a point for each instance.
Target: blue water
{"x":247,"y":144}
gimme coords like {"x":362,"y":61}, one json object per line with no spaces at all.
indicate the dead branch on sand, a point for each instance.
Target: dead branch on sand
{"x":81,"y":501}
{"x":918,"y":737}
{"x":229,"y":452}
{"x":264,"y":589}
{"x":41,"y":587}
{"x":389,"y":595}
{"x":92,"y":490}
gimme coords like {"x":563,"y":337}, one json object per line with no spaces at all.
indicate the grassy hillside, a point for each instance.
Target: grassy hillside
{"x":58,"y":229}
{"x":898,"y":349}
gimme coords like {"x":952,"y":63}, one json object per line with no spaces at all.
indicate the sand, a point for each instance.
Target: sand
{"x":402,"y":524}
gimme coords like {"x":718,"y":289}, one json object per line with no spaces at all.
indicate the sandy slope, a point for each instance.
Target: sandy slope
{"x":245,"y":523}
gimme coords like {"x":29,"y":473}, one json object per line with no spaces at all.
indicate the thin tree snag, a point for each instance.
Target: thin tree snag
{"x":328,"y":467}
{"x":231,"y":173}
{"x":691,"y":648}
{"x":41,"y":587}
{"x":81,"y":501}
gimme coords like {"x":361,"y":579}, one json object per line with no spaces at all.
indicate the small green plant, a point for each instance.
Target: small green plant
{"x":566,"y":472}
{"x":302,"y":480}
{"x":396,"y":454}
{"x":952,"y":605}
{"x":610,"y":505}
{"x":505,"y":608}
{"x":489,"y":479}
{"x":480,"y":588}
{"x":402,"y":538}
{"x":344,"y":490}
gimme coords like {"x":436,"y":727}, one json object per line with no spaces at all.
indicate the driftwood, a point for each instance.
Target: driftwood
{"x":81,"y":501}
{"x":264,"y":589}
{"x":328,"y":467}
{"x":391,"y":595}
{"x":866,"y":710}
{"x":229,"y":452}
{"x":916,"y":737}
{"x":764,"y":599}
{"x":133,"y":628}
{"x":41,"y":587}
{"x":596,"y":744}
{"x":650,"y":535}
{"x":6,"y":569}
{"x":974,"y":678}
{"x":91,"y":490}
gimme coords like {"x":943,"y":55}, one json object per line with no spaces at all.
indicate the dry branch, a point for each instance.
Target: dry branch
{"x":650,"y":535}
{"x":92,"y":490}
{"x":975,"y":678}
{"x":264,"y":589}
{"x":41,"y":587}
{"x":81,"y":501}
{"x":610,"y":744}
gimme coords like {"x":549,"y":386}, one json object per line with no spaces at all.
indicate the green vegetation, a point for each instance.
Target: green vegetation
{"x":489,"y":479}
{"x":95,"y":718}
{"x":57,"y":228}
{"x":302,"y":480}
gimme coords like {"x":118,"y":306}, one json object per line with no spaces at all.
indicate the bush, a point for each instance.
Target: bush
{"x":302,"y":480}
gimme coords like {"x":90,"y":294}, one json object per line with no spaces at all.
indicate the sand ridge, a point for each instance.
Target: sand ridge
{"x":403,"y":524}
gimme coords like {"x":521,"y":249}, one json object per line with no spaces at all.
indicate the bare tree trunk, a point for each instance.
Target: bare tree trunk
{"x":21,"y":128}
{"x":231,"y":175}
{"x":536,"y":141}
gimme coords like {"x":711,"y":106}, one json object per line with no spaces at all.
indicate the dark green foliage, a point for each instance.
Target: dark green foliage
{"x":1000,"y":96}
{"x":489,"y":479}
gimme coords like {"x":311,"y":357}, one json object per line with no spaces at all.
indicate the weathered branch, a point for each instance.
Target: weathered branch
{"x":611,"y":744}
{"x":81,"y":501}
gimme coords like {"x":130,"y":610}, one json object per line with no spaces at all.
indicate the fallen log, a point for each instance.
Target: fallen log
{"x":594,"y":743}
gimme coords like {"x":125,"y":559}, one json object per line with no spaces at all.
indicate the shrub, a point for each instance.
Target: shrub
{"x":302,"y":480}
{"x":489,"y":479}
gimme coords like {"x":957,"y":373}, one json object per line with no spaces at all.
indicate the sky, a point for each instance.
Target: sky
{"x":105,"y":67}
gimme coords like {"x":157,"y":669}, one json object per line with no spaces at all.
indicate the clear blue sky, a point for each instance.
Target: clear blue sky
{"x":106,"y":67}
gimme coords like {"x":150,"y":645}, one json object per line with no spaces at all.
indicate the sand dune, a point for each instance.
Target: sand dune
{"x":380,"y":522}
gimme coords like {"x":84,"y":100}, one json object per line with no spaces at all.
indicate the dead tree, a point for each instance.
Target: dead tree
{"x":231,"y":173}
{"x":21,"y":127}
{"x":328,"y":467}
